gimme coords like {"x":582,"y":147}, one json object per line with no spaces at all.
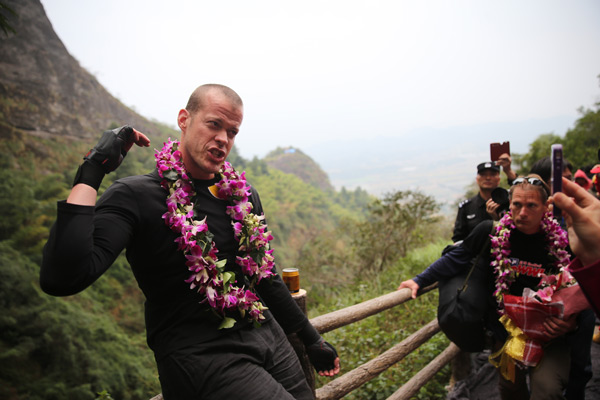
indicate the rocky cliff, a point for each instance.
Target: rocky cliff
{"x":44,"y":91}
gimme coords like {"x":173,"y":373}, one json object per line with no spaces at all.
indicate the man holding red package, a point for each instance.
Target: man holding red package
{"x":527,"y":269}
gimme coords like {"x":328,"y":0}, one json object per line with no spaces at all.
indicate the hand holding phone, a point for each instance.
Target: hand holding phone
{"x":497,"y":149}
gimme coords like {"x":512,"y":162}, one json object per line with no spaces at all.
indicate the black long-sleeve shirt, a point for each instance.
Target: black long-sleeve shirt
{"x":85,"y":241}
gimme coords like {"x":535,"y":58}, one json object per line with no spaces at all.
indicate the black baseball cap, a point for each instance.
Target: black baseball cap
{"x":488,"y":165}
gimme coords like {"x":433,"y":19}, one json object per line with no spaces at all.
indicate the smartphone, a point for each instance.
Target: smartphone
{"x":556,"y":175}
{"x":497,"y":149}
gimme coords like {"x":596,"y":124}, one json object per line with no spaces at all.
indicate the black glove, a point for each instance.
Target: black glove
{"x":105,"y":157}
{"x":322,"y":355}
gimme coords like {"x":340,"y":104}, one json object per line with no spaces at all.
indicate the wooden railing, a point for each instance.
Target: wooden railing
{"x":352,"y":380}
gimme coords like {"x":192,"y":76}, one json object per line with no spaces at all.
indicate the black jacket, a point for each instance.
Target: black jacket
{"x":470,"y":213}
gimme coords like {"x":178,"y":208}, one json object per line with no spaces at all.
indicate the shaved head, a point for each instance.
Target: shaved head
{"x":196,"y":101}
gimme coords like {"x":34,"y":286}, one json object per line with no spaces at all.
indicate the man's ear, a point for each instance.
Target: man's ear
{"x":183,"y":119}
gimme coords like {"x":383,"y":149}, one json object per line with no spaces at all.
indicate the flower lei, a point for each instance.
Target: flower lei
{"x":557,"y":241}
{"x":208,"y":274}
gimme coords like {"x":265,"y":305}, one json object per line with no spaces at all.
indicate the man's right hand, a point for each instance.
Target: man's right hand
{"x":555,"y":327}
{"x":491,"y":207}
{"x":412,"y":285}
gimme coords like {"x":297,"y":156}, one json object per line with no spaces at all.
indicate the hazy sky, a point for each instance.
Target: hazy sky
{"x":312,"y":72}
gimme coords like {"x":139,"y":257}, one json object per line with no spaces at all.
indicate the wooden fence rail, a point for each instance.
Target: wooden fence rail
{"x":346,"y":316}
{"x":346,"y":383}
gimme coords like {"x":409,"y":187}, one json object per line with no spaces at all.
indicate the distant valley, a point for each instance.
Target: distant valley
{"x":440,"y":163}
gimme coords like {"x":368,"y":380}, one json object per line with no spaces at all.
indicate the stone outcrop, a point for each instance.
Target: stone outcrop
{"x":43,"y":89}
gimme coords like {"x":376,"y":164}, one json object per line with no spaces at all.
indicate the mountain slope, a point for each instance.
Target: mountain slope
{"x":293,"y":161}
{"x":44,"y":91}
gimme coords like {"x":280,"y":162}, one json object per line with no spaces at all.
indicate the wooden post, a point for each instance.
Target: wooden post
{"x":298,"y":346}
{"x":461,"y":368}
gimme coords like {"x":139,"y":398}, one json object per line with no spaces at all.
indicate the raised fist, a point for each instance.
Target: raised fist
{"x":108,"y":154}
{"x":112,"y":148}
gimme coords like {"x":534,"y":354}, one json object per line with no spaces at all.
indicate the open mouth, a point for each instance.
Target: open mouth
{"x":216,"y":153}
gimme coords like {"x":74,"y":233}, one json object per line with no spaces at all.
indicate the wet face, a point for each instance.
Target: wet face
{"x":527,"y":208}
{"x":207,"y":136}
{"x":488,"y":180}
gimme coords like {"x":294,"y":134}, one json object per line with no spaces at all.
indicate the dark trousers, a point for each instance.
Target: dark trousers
{"x":249,"y":364}
{"x":581,"y":357}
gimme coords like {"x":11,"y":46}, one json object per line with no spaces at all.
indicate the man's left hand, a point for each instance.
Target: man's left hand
{"x":505,"y":162}
{"x":324,"y":358}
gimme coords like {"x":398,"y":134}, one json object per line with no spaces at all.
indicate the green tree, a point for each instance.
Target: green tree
{"x":67,"y":348}
{"x":395,"y":224}
{"x":582,"y":141}
{"x":538,"y":149}
{"x":238,"y":162}
{"x":16,"y":202}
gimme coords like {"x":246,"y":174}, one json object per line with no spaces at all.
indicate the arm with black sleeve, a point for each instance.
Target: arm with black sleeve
{"x":458,"y":259}
{"x":288,"y":314}
{"x":322,"y":354}
{"x":447,"y":266}
{"x":75,"y":254}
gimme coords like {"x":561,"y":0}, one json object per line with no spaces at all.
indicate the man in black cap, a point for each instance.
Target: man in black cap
{"x":472,"y":211}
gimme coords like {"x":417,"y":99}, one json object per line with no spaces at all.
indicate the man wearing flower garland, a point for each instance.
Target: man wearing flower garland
{"x":527,"y":243}
{"x":199,"y":248}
